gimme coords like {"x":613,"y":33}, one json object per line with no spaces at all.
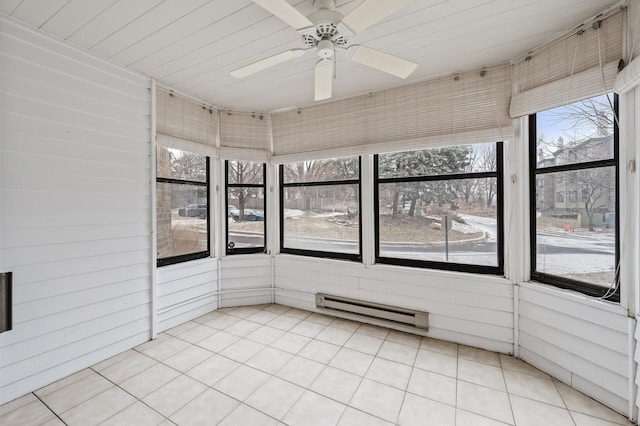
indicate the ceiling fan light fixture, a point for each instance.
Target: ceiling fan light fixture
{"x":324,"y":79}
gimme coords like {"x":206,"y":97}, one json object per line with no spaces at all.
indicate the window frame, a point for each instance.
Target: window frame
{"x":172,"y":260}
{"x":318,"y":253}
{"x":227,"y":185}
{"x":437,"y":265}
{"x":583,"y":287}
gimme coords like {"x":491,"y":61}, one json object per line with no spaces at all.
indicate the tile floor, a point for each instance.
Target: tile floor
{"x":274,"y":365}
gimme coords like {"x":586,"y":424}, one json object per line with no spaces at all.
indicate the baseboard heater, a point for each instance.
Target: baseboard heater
{"x":374,"y":310}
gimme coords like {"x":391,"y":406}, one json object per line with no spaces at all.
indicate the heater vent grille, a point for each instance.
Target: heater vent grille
{"x":374,"y":310}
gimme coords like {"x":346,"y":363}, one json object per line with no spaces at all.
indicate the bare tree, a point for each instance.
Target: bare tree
{"x":246,"y":172}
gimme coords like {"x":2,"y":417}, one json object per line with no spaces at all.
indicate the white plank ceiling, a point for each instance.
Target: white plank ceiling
{"x":192,"y":45}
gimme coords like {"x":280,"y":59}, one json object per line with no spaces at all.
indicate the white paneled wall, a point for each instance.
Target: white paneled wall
{"x":246,"y":280}
{"x":185,"y":291}
{"x":76,"y":214}
{"x":472,"y":310}
{"x":584,"y":343}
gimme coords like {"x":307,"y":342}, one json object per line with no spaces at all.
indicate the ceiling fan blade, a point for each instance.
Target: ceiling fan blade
{"x":371,"y":11}
{"x":381,"y":61}
{"x":286,"y":13}
{"x":324,"y":79}
{"x":267,"y":62}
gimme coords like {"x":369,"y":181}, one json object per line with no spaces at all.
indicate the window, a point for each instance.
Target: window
{"x":575,"y":245}
{"x":245,"y":194}
{"x":320,"y":208}
{"x":182,"y":206}
{"x":441,"y":208}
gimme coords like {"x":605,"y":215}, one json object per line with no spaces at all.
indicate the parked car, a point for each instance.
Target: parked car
{"x":194,"y":210}
{"x":250,"y":215}
{"x":232,"y":210}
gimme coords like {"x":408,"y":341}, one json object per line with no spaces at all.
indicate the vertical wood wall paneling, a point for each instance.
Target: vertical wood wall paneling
{"x":580,"y":343}
{"x":476,"y":312}
{"x":74,"y":156}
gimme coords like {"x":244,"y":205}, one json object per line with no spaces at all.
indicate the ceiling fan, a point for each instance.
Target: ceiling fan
{"x":327,"y":30}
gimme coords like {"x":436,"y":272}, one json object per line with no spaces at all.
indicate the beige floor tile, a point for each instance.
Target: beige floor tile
{"x":581,"y":403}
{"x":352,"y":361}
{"x":419,"y":411}
{"x":263,"y":317}
{"x":291,"y":343}
{"x":440,"y":346}
{"x":478,"y":355}
{"x":481,"y":374}
{"x":99,"y":408}
{"x":219,"y":341}
{"x":353,"y":417}
{"x":379,"y":400}
{"x":314,"y":410}
{"x":308,"y":328}
{"x":174,"y":395}
{"x":208,"y":408}
{"x":109,"y":361}
{"x":284,"y":322}
{"x":484,"y":401}
{"x":240,"y":311}
{"x":585,"y":420}
{"x":510,"y":363}
{"x":265,"y":335}
{"x":373,"y":331}
{"x":389,"y":373}
{"x":398,"y":352}
{"x":465,"y":418}
{"x":334,"y":335}
{"x":536,"y":388}
{"x":179,"y":329}
{"x":151,"y":379}
{"x":244,"y":415}
{"x":404,"y":338}
{"x":163,"y":347}
{"x":76,"y":393}
{"x":221,"y":321}
{"x":269,"y":360}
{"x":128,"y":367}
{"x":54,"y":421}
{"x":242,"y":350}
{"x":241,"y":382}
{"x":31,"y":413}
{"x":300,"y":371}
{"x":137,"y":414}
{"x":213,"y":369}
{"x":437,"y":363}
{"x":243,"y":328}
{"x":345,"y":324}
{"x":74,"y":378}
{"x":533,"y":413}
{"x":297,"y":313}
{"x":275,"y":397}
{"x":208,"y":317}
{"x":278,"y":309}
{"x":322,"y":352}
{"x":320,"y":318}
{"x":363,"y":343}
{"x":336,"y":384}
{"x":189,"y":358}
{"x":17,"y":403}
{"x":197,"y":334}
{"x":433,"y":386}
